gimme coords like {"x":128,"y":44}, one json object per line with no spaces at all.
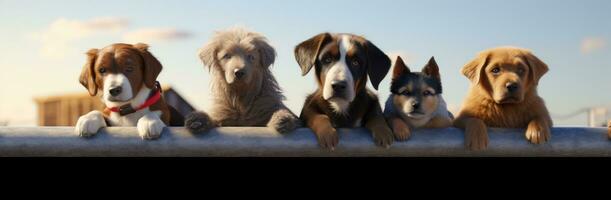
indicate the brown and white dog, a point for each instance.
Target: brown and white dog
{"x":342,"y":63}
{"x":126,"y":75}
{"x":504,"y":94}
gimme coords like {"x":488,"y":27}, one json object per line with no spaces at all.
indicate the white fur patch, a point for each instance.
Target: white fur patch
{"x":89,"y":124}
{"x":150,"y":125}
{"x":340,"y":72}
{"x":117,"y":80}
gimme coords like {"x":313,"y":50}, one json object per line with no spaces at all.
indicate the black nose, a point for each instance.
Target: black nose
{"x":239,"y":73}
{"x":512,"y":87}
{"x":416,"y":105}
{"x":116,"y":91}
{"x":339,"y":86}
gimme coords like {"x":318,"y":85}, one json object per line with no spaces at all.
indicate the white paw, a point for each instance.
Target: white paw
{"x":150,"y":126}
{"x":89,"y":124}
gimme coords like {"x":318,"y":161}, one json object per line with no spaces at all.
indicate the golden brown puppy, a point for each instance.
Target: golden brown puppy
{"x":504,"y":94}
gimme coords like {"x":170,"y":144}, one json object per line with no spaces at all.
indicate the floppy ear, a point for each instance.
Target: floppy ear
{"x":266,"y":51}
{"x":379,"y":64}
{"x":431,"y":69}
{"x":474,"y":69}
{"x":400,"y":68}
{"x":537,"y":67}
{"x":152,"y":66}
{"x":87,"y":77}
{"x":306,"y":51}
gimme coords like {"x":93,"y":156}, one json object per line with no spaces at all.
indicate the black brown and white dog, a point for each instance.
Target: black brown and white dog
{"x":126,"y":75}
{"x":415,"y":100}
{"x":342,"y":63}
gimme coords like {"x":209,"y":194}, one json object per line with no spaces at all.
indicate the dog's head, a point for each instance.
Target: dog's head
{"x":119,"y":71}
{"x":237,"y":54}
{"x":507,"y":74}
{"x":342,"y":63}
{"x":416,"y":94}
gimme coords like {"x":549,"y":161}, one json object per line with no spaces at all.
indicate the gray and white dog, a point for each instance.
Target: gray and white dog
{"x":245,"y":93}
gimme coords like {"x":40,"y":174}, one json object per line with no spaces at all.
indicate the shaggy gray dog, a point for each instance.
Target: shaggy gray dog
{"x":245,"y":93}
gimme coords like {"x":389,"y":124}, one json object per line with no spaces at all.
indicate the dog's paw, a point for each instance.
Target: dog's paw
{"x":476,"y":136}
{"x":150,"y":126}
{"x":383,"y":137}
{"x":283,"y":121}
{"x":400,"y":130}
{"x":198,"y":122}
{"x":537,"y":133}
{"x":328,"y":139}
{"x":89,"y":124}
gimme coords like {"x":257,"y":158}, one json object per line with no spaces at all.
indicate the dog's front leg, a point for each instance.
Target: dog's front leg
{"x":476,"y":132}
{"x":538,"y":131}
{"x":198,"y":122}
{"x":401,"y":130}
{"x":89,"y":124}
{"x":324,"y":131}
{"x":376,"y":123}
{"x":150,"y":126}
{"x":283,"y":121}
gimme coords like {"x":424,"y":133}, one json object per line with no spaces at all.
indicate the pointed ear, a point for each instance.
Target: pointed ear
{"x":400,"y":68}
{"x":474,"y":69}
{"x":87,"y":78}
{"x":431,"y":69}
{"x":152,"y":66}
{"x":307,"y":51}
{"x":378,"y":62}
{"x":537,"y":67}
{"x":266,"y":51}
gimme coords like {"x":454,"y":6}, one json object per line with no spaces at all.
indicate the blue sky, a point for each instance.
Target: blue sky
{"x":43,"y":42}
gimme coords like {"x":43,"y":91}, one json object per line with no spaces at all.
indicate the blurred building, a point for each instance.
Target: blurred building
{"x":64,"y":110}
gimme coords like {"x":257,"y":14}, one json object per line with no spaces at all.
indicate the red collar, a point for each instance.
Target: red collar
{"x":128,"y":109}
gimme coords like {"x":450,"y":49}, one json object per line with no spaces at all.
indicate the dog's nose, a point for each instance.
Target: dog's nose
{"x":339,"y":85}
{"x":511,"y":87}
{"x":116,"y":91}
{"x":416,"y":105}
{"x":239,"y":73}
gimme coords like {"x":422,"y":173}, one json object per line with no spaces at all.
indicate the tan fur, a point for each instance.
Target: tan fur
{"x":483,"y":106}
{"x":254,"y":101}
{"x":609,"y":129}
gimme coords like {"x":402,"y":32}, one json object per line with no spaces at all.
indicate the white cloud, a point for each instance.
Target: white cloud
{"x":592,"y":44}
{"x":155,"y":35}
{"x":57,"y":39}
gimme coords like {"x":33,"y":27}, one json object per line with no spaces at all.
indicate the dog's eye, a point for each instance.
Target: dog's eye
{"x":327,"y":60}
{"x":496,"y":70}
{"x":406,"y":93}
{"x":251,"y":57}
{"x":102,"y":70}
{"x":355,"y":63}
{"x":427,"y":93}
{"x":129,"y":69}
{"x":520,"y":71}
{"x":227,"y":56}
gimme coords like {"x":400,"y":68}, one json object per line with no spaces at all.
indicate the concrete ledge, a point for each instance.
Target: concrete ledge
{"x":249,"y":141}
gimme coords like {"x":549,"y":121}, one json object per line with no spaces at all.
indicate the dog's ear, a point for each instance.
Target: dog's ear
{"x":432,"y":69}
{"x":379,"y":64}
{"x":400,"y":68}
{"x":87,"y":78}
{"x":306,"y":51}
{"x":537,"y":67}
{"x":475,"y":68}
{"x":266,"y":52}
{"x":207,"y":54}
{"x":152,"y":66}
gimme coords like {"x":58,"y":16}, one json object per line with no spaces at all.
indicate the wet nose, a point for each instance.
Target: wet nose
{"x":239,"y":73}
{"x":339,"y":86}
{"x":116,"y":91}
{"x":512,"y":87}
